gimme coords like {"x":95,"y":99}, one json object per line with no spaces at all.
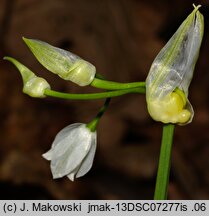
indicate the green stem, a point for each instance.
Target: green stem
{"x":90,"y":96}
{"x":109,"y":85}
{"x":163,"y":172}
{"x":93,"y":124}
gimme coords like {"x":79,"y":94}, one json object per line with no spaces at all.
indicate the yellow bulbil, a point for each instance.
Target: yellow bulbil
{"x":35,"y":87}
{"x":170,"y":109}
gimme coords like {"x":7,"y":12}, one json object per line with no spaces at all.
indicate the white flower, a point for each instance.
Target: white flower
{"x":72,"y":151}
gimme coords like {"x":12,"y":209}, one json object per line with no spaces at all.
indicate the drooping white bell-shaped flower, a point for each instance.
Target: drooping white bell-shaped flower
{"x":171,"y":72}
{"x":72,"y":151}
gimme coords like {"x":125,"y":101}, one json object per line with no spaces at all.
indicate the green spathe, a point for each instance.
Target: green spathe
{"x":33,"y":85}
{"x":65,"y":64}
{"x":171,"y":72}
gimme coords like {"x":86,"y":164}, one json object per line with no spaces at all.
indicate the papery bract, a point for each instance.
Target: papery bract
{"x":33,"y":85}
{"x":61,"y":62}
{"x":171,"y":72}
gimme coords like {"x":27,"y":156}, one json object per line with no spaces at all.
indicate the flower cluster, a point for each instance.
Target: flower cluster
{"x":167,"y":83}
{"x":74,"y":147}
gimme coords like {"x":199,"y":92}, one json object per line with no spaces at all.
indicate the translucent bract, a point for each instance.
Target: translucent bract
{"x":171,"y":72}
{"x":65,"y":64}
{"x":33,"y":85}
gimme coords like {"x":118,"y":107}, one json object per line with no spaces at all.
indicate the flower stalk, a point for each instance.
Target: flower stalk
{"x":93,"y":124}
{"x":90,"y":96}
{"x":110,"y":85}
{"x":163,"y":172}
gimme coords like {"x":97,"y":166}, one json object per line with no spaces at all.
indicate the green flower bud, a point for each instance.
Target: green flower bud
{"x":32,"y":85}
{"x":171,"y":72}
{"x":65,"y":64}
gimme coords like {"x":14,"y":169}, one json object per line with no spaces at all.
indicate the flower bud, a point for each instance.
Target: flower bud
{"x":72,"y":151}
{"x":32,"y":85}
{"x":65,"y":64}
{"x":171,"y":72}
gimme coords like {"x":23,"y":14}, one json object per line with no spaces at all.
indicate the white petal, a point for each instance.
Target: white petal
{"x":60,"y":136}
{"x":47,"y":155}
{"x":88,"y":160}
{"x":71,"y":176}
{"x":64,"y":133}
{"x":68,"y":154}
